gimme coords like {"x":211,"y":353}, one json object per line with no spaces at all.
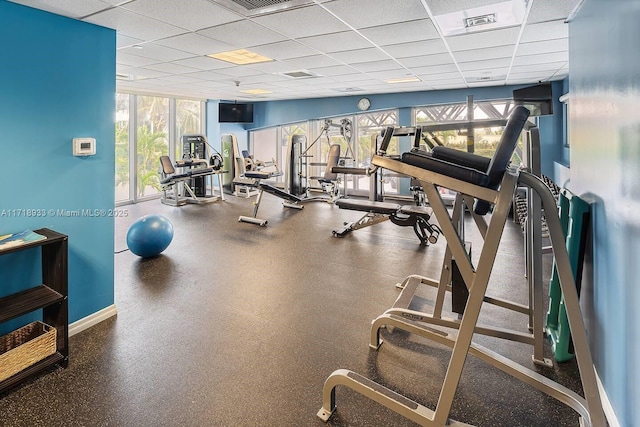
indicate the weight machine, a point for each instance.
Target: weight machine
{"x":491,"y":186}
{"x":300,"y":164}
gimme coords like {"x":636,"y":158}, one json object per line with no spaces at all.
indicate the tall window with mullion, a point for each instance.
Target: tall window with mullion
{"x":123,"y":188}
{"x":369,"y":126}
{"x":188,"y":121}
{"x":152,"y":141}
{"x":480,"y":140}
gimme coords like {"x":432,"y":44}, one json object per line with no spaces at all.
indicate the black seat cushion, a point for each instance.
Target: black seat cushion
{"x":452,"y":170}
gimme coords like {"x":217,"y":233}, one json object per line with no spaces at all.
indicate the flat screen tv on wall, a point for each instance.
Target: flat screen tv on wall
{"x":538,"y":99}
{"x":235,"y":113}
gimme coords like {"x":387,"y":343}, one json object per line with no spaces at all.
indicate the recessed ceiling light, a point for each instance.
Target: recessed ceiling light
{"x":490,"y":17}
{"x":256,"y":91}
{"x":404,"y":80}
{"x":240,"y":57}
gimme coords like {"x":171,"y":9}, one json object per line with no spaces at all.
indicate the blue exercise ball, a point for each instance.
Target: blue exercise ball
{"x":149,"y":235}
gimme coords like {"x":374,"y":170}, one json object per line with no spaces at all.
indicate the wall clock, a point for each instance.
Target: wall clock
{"x":364,"y":104}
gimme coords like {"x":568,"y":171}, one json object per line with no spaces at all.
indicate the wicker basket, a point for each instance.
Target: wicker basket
{"x":25,"y":347}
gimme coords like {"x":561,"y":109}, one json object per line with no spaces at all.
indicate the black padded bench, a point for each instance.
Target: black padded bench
{"x":402,"y":215}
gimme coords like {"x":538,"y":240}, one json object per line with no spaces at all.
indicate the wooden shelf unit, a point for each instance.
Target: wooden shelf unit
{"x":51,"y":296}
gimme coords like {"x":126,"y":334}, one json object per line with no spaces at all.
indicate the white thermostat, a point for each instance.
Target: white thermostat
{"x":84,"y":146}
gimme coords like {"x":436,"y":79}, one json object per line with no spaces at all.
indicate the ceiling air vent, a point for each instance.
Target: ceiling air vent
{"x":260,"y":7}
{"x":299,"y":74}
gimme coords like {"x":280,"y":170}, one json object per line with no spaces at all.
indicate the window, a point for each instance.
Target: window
{"x":478,"y":140}
{"x":369,"y":126}
{"x":286,"y":133}
{"x":152,"y":141}
{"x":123,"y":189}
{"x":188,"y":121}
{"x":159,"y":123}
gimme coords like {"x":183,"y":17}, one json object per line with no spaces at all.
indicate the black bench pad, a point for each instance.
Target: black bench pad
{"x":368,"y":206}
{"x":449,"y":169}
{"x":261,"y":175}
{"x":349,"y":171}
{"x":280,"y":193}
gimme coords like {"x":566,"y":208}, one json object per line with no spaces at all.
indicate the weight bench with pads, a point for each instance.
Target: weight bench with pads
{"x":492,"y":187}
{"x":172,"y":180}
{"x":402,"y":215}
{"x":289,"y":200}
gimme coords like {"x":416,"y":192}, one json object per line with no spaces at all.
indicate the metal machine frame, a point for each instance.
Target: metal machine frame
{"x":476,"y":279}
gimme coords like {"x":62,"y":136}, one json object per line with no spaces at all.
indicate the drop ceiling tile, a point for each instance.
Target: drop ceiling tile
{"x":360,"y":55}
{"x":534,"y":76}
{"x":303,"y":22}
{"x":307,"y":62}
{"x":379,"y":66}
{"x":402,"y":32}
{"x":545,"y":31}
{"x":550,"y":10}
{"x":145,"y":73}
{"x":448,"y":86}
{"x":71,"y":8}
{"x":170,"y":68}
{"x":486,"y":39}
{"x":354,"y":79}
{"x":206,"y":75}
{"x":336,"y":42}
{"x":284,"y":50}
{"x":134,"y":60}
{"x":179,"y":78}
{"x":426,"y":60}
{"x":338,"y":70}
{"x":370,"y":13}
{"x":542,"y":58}
{"x":445,"y":81}
{"x":547,"y":46}
{"x":125,"y":41}
{"x":442,"y":7}
{"x":435,"y":69}
{"x":481,"y":54}
{"x":272,"y":67}
{"x":195,"y":43}
{"x":484,"y":65}
{"x":202,"y":63}
{"x":391,"y":74}
{"x":134,"y":25}
{"x":262,"y":79}
{"x":407,"y":50}
{"x":238,"y":72}
{"x":192,"y":15}
{"x":242,"y":34}
{"x":157,"y":52}
{"x":548,"y":66}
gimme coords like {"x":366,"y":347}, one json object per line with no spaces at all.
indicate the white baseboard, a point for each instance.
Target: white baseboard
{"x":92,"y":319}
{"x":606,"y":404}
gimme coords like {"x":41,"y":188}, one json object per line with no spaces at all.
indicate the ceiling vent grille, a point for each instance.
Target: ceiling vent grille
{"x":258,"y":4}
{"x":261,"y":7}
{"x":299,"y":74}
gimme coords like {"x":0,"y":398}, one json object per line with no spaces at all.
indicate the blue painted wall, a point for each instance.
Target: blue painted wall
{"x":605,"y":167}
{"x":275,"y":113}
{"x":57,"y":82}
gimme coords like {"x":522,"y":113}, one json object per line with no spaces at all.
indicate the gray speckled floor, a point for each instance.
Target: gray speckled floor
{"x":238,"y":325}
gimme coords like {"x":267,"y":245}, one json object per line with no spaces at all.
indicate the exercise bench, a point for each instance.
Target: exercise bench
{"x":402,"y":215}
